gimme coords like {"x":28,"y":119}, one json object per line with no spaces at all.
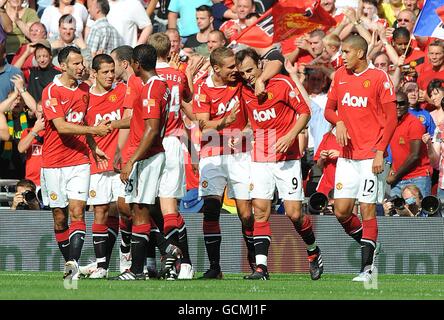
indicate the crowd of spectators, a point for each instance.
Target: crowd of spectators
{"x":32,"y":33}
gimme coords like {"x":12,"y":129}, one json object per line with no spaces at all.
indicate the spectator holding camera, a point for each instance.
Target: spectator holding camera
{"x":410,"y":162}
{"x":408,"y":204}
{"x":25,"y":198}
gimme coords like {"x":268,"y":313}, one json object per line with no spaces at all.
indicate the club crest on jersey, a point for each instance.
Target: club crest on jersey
{"x":112,"y":98}
{"x":339,"y":186}
{"x":232,"y":88}
{"x":366,"y":83}
{"x":353,"y":101}
{"x":387,"y":85}
{"x":269,"y":95}
{"x":401,"y":140}
{"x":251,"y":187}
{"x":85,"y":99}
{"x":422,"y":119}
{"x":204,"y":184}
{"x":92,"y":193}
{"x":53,"y":196}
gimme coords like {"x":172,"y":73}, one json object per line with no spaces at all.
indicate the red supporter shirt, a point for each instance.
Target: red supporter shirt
{"x":427,"y":76}
{"x":410,"y":128}
{"x":107,"y":106}
{"x":274,"y":118}
{"x":64,"y":150}
{"x":327,"y":181}
{"x":218,"y":102}
{"x":178,"y":83}
{"x":360,"y":99}
{"x":230,"y":23}
{"x":28,"y":64}
{"x":153,"y":103}
{"x":133,"y":87}
{"x":33,"y":157}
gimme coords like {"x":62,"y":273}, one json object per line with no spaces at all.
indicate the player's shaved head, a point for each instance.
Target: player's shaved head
{"x":218,"y":55}
{"x":357,"y":42}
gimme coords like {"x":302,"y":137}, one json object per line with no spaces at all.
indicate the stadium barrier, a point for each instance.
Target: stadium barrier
{"x":409,"y":245}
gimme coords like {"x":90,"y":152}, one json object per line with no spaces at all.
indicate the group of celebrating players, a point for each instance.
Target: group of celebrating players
{"x":117,"y":146}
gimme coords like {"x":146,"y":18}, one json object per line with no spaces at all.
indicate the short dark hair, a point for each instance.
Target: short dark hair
{"x":26,"y":183}
{"x":99,"y":59}
{"x":250,"y":53}
{"x":357,"y":42}
{"x":372,"y":2}
{"x":67,"y":18}
{"x":205,"y":8}
{"x":435,"y":84}
{"x":401,"y":32}
{"x":123,"y":53}
{"x":219,"y":54}
{"x":64,"y":53}
{"x":57,"y":3}
{"x":103,"y":6}
{"x":146,"y":56}
{"x":39,"y":46}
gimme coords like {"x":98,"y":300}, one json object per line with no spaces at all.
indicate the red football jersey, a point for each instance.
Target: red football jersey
{"x":274,"y":118}
{"x":64,"y":150}
{"x":218,"y":102}
{"x":427,"y":76}
{"x":410,"y":128}
{"x":178,"y":83}
{"x":133,"y":88}
{"x":153,"y":103}
{"x":33,"y":157}
{"x":327,"y":180}
{"x":360,"y":98}
{"x":107,"y":106}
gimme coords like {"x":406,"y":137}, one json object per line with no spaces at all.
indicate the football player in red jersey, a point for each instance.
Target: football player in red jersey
{"x":105,"y":103}
{"x":65,"y":161}
{"x":217,"y":107}
{"x":276,"y":120}
{"x":361,"y":104}
{"x":143,"y":168}
{"x":172,"y":183}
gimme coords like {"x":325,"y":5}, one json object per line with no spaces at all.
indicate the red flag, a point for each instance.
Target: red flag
{"x":285,"y":19}
{"x":289,"y":18}
{"x":259,"y":35}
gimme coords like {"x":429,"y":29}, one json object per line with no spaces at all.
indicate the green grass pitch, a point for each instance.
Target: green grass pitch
{"x":49,"y":285}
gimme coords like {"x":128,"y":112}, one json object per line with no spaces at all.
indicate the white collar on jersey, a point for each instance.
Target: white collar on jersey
{"x":58,"y":83}
{"x":152,"y":79}
{"x":369,"y":66}
{"x":101,"y":94}
{"x":162,"y":65}
{"x":210,"y":83}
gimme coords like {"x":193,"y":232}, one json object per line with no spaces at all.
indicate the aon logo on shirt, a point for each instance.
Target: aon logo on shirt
{"x":353,"y":101}
{"x":222,"y":108}
{"x":265,"y":115}
{"x":75,"y":117}
{"x":114,"y":115}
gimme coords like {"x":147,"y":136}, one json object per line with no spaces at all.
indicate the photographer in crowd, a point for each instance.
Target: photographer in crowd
{"x":26,"y":197}
{"x":408,"y":205}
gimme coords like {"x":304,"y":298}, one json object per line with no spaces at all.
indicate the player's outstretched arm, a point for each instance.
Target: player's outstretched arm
{"x":64,"y":127}
{"x":206,"y":124}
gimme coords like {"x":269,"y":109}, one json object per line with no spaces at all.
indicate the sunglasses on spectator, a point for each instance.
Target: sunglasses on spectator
{"x":402,"y":20}
{"x":401,"y":103}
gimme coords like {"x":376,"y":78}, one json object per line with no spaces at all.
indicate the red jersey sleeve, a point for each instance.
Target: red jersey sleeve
{"x":386,"y":91}
{"x":332,"y":94}
{"x":201,"y":101}
{"x":131,"y":94}
{"x":52,"y":108}
{"x":294,"y":97}
{"x":152,"y":104}
{"x":186,"y":88}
